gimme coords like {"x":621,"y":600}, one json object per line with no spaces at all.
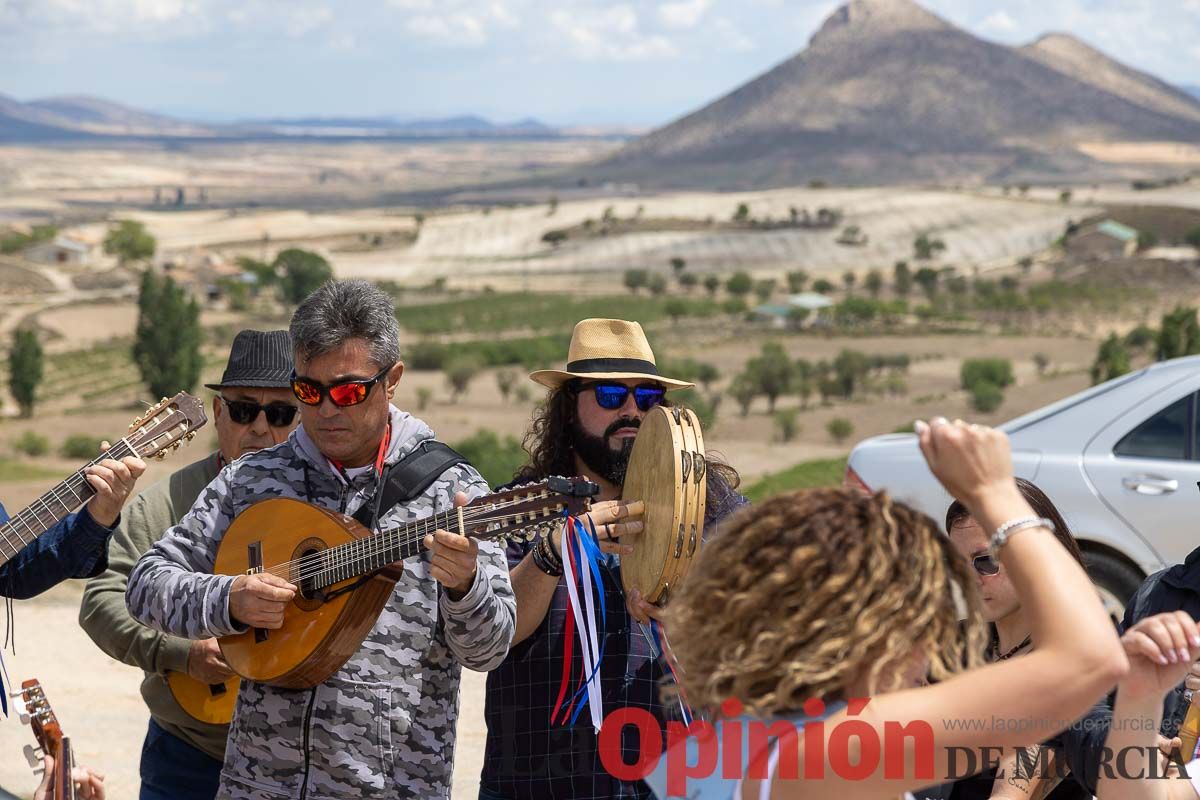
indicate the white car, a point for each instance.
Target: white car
{"x":1121,"y":461}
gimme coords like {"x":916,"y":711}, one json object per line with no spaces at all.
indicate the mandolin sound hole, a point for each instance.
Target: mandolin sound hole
{"x":309,"y":596}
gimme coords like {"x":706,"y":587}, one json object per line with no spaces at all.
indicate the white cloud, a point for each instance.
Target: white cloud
{"x":731,"y":36}
{"x":998,"y":22}
{"x":306,"y":20}
{"x":610,"y":34}
{"x":683,"y":15}
{"x":456,"y":30}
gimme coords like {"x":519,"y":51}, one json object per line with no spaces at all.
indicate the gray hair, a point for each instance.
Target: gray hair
{"x":344,"y":310}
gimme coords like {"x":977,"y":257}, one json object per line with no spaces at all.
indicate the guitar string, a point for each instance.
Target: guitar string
{"x":362,"y":550}
{"x":470,"y":513}
{"x":355,"y":566}
{"x":365,"y":556}
{"x":11,"y":529}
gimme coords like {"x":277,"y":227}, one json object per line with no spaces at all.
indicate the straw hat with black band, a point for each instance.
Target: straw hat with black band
{"x":605,"y":350}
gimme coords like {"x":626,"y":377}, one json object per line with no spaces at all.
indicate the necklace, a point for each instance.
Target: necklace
{"x":1024,"y":643}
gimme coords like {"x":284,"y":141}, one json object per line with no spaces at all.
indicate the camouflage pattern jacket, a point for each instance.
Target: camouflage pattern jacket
{"x":383,"y":725}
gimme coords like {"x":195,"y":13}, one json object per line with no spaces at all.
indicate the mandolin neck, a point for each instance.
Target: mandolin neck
{"x":374,"y":552}
{"x":43,"y":513}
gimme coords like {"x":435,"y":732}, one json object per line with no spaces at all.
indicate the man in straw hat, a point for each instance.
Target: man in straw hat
{"x":253,"y":409}
{"x":585,"y":427}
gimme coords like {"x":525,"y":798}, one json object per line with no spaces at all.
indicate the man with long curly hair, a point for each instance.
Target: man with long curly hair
{"x":586,"y":427}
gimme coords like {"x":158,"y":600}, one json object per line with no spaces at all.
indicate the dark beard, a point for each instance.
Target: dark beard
{"x":601,"y":459}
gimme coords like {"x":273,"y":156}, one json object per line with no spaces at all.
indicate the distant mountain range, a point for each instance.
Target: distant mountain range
{"x":1192,"y":90}
{"x":77,"y":117}
{"x":888,"y":92}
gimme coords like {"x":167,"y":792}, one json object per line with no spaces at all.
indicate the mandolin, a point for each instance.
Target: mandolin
{"x":163,"y":427}
{"x":50,"y":739}
{"x":345,"y":574}
{"x":204,"y":702}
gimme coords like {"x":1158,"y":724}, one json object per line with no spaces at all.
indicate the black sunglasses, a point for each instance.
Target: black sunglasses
{"x":985,"y":565}
{"x":345,"y":393}
{"x":611,"y":396}
{"x":243,"y":412}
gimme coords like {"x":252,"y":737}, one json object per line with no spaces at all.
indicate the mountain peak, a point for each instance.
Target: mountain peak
{"x":875,"y":17}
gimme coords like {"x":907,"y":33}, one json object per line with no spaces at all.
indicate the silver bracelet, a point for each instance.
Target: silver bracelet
{"x":1000,"y":537}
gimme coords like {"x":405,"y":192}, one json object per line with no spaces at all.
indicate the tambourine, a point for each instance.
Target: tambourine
{"x":666,"y":472}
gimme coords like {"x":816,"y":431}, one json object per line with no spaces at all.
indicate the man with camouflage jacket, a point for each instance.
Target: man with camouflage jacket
{"x":254,"y":408}
{"x":383,"y":725}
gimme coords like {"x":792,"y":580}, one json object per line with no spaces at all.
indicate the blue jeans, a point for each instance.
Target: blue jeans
{"x":174,"y":770}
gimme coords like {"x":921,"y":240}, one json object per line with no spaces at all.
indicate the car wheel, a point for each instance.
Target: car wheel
{"x":1115,"y":579}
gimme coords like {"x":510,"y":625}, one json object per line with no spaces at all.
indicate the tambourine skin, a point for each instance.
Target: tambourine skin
{"x":666,"y":472}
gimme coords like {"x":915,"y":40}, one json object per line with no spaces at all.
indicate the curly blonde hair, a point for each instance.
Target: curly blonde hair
{"x":809,"y":591}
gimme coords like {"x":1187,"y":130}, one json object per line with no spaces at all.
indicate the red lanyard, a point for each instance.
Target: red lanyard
{"x":379,"y":457}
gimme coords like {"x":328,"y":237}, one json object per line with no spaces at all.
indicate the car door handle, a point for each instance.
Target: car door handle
{"x":1150,"y":484}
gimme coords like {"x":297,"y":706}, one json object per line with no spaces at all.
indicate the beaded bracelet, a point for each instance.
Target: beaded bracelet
{"x":1002,"y":534}
{"x":545,"y":559}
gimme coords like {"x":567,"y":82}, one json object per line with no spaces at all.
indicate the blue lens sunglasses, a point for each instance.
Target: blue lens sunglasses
{"x":611,"y":396}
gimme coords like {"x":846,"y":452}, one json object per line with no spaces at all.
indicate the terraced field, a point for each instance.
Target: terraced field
{"x":978,"y":231}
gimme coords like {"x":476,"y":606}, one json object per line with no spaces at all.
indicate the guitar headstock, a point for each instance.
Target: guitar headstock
{"x":40,"y":717}
{"x":166,"y":425}
{"x":524,"y":512}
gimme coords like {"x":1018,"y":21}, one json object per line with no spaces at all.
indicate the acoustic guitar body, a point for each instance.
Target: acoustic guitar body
{"x":319,"y":631}
{"x":204,"y":702}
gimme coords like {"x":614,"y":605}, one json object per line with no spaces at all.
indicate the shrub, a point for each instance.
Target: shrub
{"x":839,"y":429}
{"x":424,"y":395}
{"x":986,"y":397}
{"x":1141,"y":337}
{"x":1112,"y":360}
{"x":506,"y":379}
{"x":739,"y":284}
{"x":460,"y":371}
{"x":996,"y":371}
{"x":786,"y":425}
{"x":80,"y":446}
{"x":32,"y":444}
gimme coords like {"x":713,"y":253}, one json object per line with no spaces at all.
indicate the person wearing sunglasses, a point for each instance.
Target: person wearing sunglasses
{"x":1011,"y":636}
{"x":384,"y":724}
{"x":586,"y":426}
{"x":253,"y":408}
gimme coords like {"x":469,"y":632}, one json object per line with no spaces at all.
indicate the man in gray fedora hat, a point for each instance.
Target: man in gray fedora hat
{"x":253,"y":409}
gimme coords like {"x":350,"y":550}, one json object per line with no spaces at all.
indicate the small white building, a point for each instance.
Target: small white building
{"x":60,"y":250}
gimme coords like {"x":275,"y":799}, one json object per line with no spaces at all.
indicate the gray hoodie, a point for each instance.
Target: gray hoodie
{"x":383,"y":725}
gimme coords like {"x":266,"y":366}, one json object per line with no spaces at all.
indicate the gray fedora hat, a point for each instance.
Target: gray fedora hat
{"x":258,"y":359}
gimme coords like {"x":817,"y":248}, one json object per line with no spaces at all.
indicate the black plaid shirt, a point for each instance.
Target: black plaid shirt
{"x":529,"y":757}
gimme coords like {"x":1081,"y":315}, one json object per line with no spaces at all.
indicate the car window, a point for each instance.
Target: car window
{"x":1168,"y":434}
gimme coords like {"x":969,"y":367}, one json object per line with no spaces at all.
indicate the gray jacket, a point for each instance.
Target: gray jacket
{"x":383,"y":725}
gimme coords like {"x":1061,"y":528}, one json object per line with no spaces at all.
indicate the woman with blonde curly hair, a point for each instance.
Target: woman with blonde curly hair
{"x":811,"y":600}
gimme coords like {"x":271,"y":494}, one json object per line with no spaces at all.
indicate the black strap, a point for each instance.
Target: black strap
{"x":408,"y":478}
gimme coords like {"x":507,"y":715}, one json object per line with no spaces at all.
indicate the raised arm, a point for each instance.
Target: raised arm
{"x":1160,"y":648}
{"x":1076,"y":658}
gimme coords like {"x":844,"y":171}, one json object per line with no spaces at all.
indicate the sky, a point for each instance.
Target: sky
{"x":565,"y":62}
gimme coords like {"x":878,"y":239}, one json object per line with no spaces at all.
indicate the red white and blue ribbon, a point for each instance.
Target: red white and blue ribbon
{"x":581,"y":559}
{"x":663,"y":648}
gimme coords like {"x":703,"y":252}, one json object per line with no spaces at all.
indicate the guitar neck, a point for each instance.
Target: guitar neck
{"x":64,"y":787}
{"x":43,"y":513}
